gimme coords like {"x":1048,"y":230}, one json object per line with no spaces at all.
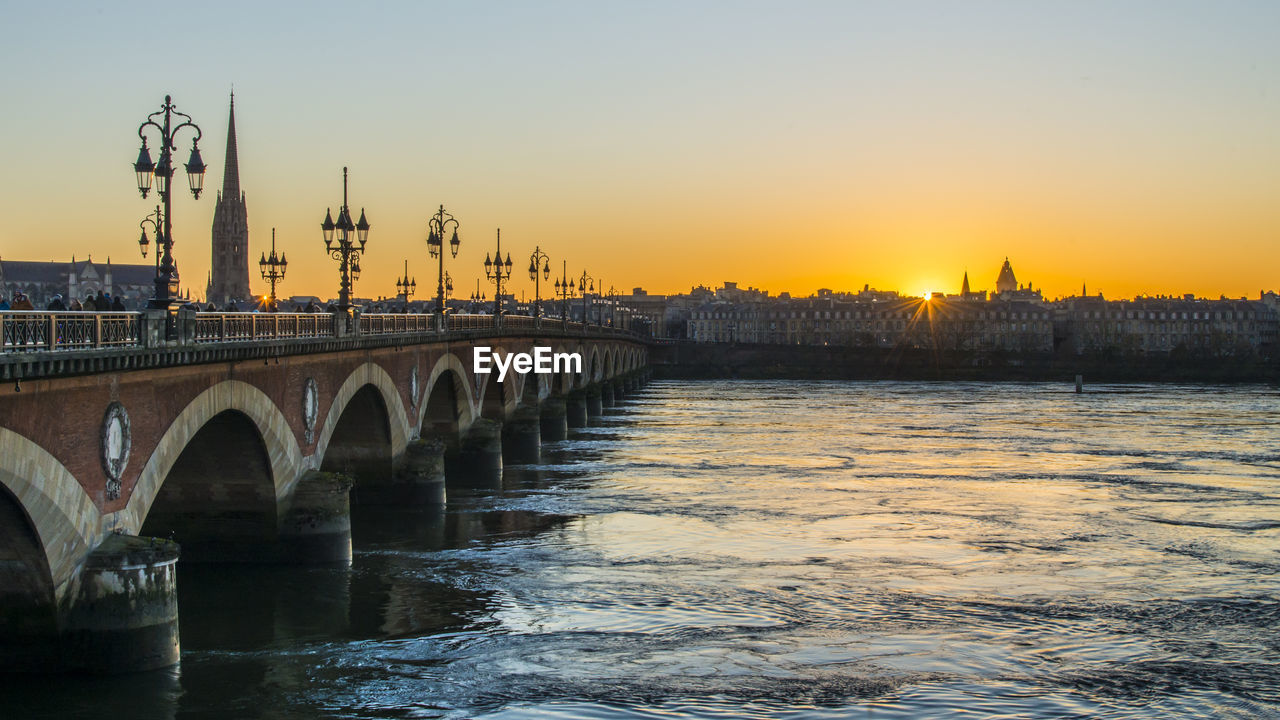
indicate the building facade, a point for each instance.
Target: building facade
{"x":40,"y":281}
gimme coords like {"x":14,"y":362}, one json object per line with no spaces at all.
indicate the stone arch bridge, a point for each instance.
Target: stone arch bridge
{"x":242,"y":437}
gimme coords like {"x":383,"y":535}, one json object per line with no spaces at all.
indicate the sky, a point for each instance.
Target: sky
{"x":789,"y":146}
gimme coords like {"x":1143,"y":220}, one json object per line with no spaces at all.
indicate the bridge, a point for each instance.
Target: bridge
{"x":244,"y":437}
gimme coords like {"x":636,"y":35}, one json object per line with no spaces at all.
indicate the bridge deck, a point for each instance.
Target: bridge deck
{"x":36,"y":344}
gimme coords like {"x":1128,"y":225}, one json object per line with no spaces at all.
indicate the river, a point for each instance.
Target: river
{"x":736,"y":549}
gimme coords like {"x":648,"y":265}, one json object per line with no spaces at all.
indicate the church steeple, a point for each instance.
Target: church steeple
{"x":964,"y":286}
{"x":229,"y":276}
{"x":231,"y":168}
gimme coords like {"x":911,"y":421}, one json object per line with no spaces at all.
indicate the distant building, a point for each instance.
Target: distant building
{"x":1006,"y":281}
{"x":40,"y":281}
{"x":229,"y":277}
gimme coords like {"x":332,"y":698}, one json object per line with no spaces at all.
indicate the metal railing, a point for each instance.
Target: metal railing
{"x":240,"y":327}
{"x":390,"y":323}
{"x":34,"y":331}
{"x":28,"y":330}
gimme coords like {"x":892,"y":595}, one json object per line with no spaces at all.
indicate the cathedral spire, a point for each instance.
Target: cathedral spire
{"x":231,"y":169}
{"x":964,"y":286}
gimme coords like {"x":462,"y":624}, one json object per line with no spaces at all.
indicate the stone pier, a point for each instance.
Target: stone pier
{"x":576,"y":409}
{"x":595,"y":408}
{"x":419,"y":478}
{"x":522,"y":437}
{"x":316,"y":527}
{"x":553,"y":419}
{"x":478,"y":462}
{"x":121,"y":615}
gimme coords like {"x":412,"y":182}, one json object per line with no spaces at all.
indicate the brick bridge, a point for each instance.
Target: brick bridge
{"x":243,"y":437}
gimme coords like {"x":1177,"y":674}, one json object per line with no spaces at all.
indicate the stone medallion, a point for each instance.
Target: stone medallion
{"x":310,"y":408}
{"x":116,"y":442}
{"x":413,"y":387}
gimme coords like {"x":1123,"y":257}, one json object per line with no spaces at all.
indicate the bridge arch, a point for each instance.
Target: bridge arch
{"x":54,"y":505}
{"x":533,"y":389}
{"x":366,"y":424}
{"x":281,"y":446}
{"x":496,"y":397}
{"x":593,"y":367}
{"x":219,"y":499}
{"x":448,"y":406}
{"x":359,"y":381}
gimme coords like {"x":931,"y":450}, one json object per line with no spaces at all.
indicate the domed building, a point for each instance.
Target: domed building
{"x":1006,"y":281}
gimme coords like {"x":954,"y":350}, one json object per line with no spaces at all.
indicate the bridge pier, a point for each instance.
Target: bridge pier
{"x":122,"y":615}
{"x":419,"y":478}
{"x":576,"y":409}
{"x":595,"y":408}
{"x":553,"y":419}
{"x":608,"y":398}
{"x":522,"y":437}
{"x":316,"y":528}
{"x":478,"y":461}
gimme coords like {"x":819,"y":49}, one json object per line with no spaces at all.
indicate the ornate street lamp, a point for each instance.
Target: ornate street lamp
{"x":344,"y":242}
{"x":406,"y":287}
{"x":613,"y":306}
{"x":166,"y":282}
{"x":538,"y":257}
{"x":497,"y":270}
{"x":273,"y":268}
{"x":564,"y":290}
{"x":156,"y":221}
{"x":437,"y":225}
{"x":586,"y":284}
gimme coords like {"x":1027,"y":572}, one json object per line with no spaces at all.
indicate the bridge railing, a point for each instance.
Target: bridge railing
{"x":245,"y":326}
{"x":28,"y":331}
{"x":391,"y":323}
{"x":34,"y":331}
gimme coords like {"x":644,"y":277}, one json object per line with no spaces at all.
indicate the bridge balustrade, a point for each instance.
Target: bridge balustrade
{"x":469,"y":322}
{"x":27,"y":330}
{"x":23,"y":331}
{"x":390,"y":323}
{"x":240,"y":327}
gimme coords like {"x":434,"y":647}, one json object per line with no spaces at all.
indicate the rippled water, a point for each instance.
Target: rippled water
{"x":785,"y":550}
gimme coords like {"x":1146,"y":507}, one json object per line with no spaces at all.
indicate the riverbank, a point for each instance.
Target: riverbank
{"x":704,"y":361}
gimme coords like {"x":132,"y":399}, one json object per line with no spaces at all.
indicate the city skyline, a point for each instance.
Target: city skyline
{"x":666,"y":146}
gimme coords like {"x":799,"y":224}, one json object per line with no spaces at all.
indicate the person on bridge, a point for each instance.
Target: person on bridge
{"x":56,"y":304}
{"x":75,"y":305}
{"x":4,"y":303}
{"x":102,"y":302}
{"x":89,"y":304}
{"x":22,"y":302}
{"x":117,"y":305}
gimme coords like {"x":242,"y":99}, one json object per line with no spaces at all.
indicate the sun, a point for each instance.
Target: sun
{"x":927,"y":294}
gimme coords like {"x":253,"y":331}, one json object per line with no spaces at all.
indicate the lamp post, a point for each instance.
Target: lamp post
{"x":538,"y":257}
{"x":273,"y":268}
{"x":436,"y":226}
{"x":497,"y":270}
{"x":565,"y":290}
{"x":156,"y":221}
{"x":405,"y":286}
{"x":166,"y":282}
{"x":347,"y":246}
{"x":586,"y":284}
{"x":613,"y":307}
